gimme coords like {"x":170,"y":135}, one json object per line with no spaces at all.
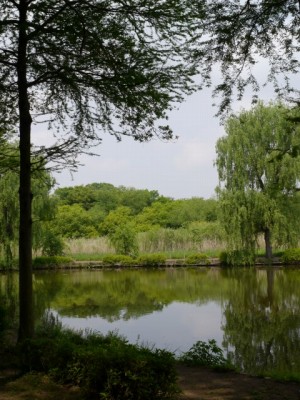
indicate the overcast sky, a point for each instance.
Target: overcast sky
{"x":180,"y":169}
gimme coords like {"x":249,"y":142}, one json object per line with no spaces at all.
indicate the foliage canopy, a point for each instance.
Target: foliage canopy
{"x":120,"y":69}
{"x":240,"y":34}
{"x":259,"y":174}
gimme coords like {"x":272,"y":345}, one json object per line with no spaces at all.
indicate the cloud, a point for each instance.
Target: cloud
{"x":196,"y":153}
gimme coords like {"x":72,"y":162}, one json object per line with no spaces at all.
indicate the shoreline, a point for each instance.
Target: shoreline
{"x":170,"y":263}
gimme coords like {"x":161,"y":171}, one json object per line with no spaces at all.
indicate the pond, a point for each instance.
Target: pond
{"x":253,"y":314}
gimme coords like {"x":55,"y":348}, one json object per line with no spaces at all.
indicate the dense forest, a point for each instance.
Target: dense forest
{"x":144,"y":218}
{"x":93,"y":210}
{"x":133,"y":219}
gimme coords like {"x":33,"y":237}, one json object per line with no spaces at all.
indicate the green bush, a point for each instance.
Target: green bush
{"x":152,"y":260}
{"x":118,"y":260}
{"x":52,"y":244}
{"x":223,"y":257}
{"x":120,"y":371}
{"x":202,"y":353}
{"x":124,"y":240}
{"x":236,"y":258}
{"x":291,"y":256}
{"x":52,"y":261}
{"x":104,"y":367}
{"x":197,"y":259}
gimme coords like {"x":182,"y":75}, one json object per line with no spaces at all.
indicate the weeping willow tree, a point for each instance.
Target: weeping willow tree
{"x":43,"y":207}
{"x":259,"y":169}
{"x":43,"y":210}
{"x":9,"y":211}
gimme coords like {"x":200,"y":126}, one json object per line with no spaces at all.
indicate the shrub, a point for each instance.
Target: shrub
{"x":105,"y":366}
{"x":237,"y":257}
{"x":52,"y":261}
{"x":120,"y":371}
{"x":52,"y":244}
{"x":197,"y":259}
{"x":291,"y":256}
{"x":223,"y":257}
{"x":202,"y":353}
{"x":118,"y":260}
{"x":124,"y":239}
{"x":152,"y":260}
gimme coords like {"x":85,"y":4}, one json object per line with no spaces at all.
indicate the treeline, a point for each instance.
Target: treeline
{"x":134,"y":219}
{"x":92,"y":210}
{"x":129,"y":220}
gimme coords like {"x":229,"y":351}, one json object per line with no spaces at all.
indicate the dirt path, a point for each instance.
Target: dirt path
{"x":196,"y":384}
{"x":205,"y":384}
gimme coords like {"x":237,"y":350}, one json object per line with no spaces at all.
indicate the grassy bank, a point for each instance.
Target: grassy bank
{"x":97,"y":366}
{"x":63,"y":364}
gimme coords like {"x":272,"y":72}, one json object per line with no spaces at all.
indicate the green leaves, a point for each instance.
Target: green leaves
{"x":101,"y":65}
{"x":241,"y":34}
{"x":43,"y":211}
{"x":202,"y":353}
{"x":104,"y":367}
{"x":258,"y":176}
{"x":75,"y":222}
{"x":124,"y":239}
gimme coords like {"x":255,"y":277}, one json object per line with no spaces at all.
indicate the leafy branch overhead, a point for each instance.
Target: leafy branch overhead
{"x":98,"y":66}
{"x":240,"y":34}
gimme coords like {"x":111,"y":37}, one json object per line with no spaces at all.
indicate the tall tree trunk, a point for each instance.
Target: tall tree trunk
{"x":26,"y":321}
{"x":267,"y":234}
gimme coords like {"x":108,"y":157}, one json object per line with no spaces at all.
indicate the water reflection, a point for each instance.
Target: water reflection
{"x":8,"y":300}
{"x":254,"y":314}
{"x":262,"y":322}
{"x":177,"y":328}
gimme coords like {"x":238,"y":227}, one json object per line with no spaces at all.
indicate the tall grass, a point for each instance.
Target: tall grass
{"x":173,"y":243}
{"x":88,"y":246}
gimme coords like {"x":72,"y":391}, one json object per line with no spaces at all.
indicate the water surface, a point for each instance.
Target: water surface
{"x":253,"y":314}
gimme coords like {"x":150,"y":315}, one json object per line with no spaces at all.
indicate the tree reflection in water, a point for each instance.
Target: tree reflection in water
{"x":262,"y":321}
{"x":260,"y":308}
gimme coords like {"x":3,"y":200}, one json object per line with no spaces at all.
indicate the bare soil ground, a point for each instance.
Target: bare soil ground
{"x":196,"y":384}
{"x":200,"y":383}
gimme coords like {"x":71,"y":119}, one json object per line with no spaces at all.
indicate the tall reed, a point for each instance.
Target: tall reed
{"x":157,"y":241}
{"x":99,"y":245}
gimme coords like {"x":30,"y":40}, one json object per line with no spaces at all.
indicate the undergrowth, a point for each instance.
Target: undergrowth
{"x":50,"y":261}
{"x":206,"y":354}
{"x":105,"y":367}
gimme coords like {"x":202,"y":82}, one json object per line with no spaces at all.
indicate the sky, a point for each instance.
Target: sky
{"x":182,"y":168}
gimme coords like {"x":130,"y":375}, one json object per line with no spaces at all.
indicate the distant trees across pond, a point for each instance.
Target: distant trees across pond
{"x":121,"y":213}
{"x":93,"y":209}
